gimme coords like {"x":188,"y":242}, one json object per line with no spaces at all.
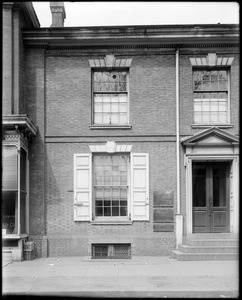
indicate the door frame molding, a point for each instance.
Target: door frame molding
{"x":234,"y":187}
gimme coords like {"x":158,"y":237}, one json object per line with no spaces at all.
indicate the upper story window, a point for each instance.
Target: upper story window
{"x":110,"y":92}
{"x":110,"y":97}
{"x":211,"y":96}
{"x":211,"y":89}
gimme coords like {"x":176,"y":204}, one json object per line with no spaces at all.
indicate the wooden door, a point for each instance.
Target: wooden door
{"x":210,"y":196}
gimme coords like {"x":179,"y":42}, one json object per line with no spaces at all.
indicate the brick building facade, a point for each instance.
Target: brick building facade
{"x":117,"y":140}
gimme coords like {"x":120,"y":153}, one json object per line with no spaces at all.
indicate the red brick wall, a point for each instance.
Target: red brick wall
{"x":58,"y":93}
{"x":152,"y":96}
{"x":59,"y":203}
{"x":34,"y":89}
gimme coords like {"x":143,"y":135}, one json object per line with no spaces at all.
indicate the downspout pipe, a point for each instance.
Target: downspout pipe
{"x":178,"y":133}
{"x":179,"y":217}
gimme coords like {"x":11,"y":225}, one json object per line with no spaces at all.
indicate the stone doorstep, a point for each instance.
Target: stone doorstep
{"x":203,"y":256}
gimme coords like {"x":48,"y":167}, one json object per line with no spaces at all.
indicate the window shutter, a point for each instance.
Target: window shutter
{"x":140,"y":186}
{"x":82,"y":187}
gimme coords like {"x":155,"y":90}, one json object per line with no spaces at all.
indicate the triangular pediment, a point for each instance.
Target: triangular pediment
{"x":213,"y":136}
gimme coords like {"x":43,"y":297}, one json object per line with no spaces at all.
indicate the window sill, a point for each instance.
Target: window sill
{"x":212,"y":125}
{"x":14,"y":236}
{"x":110,"y":126}
{"x":111,"y":222}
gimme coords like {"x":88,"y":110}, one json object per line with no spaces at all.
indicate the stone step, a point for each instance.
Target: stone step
{"x":211,"y":242}
{"x":213,"y":235}
{"x":207,"y":249}
{"x":6,"y":257}
{"x":179,"y":255}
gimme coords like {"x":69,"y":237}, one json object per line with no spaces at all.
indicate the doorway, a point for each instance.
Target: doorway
{"x":210,"y":196}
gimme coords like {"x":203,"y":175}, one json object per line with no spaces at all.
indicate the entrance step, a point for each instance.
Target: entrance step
{"x":179,"y":255}
{"x":208,"y":247}
{"x":211,"y":242}
{"x":6,"y":257}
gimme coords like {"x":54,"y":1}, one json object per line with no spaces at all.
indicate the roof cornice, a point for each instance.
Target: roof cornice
{"x":135,"y":35}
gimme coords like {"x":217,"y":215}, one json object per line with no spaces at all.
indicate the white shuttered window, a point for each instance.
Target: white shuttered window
{"x":138,"y":187}
{"x":82,"y":187}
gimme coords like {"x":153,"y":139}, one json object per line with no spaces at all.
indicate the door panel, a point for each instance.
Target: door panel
{"x":200,"y":209}
{"x":210,"y":196}
{"x":220,"y":203}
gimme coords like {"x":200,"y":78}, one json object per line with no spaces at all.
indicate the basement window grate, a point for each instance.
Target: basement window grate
{"x":111,"y":251}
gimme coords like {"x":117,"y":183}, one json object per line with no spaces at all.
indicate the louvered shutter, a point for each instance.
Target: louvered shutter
{"x":139,"y":186}
{"x":82,"y":187}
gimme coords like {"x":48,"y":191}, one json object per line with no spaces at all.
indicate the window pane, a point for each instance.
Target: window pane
{"x":98,"y":107}
{"x":123,"y":107}
{"x":223,"y":75}
{"x":219,"y":185}
{"x":222,"y":106}
{"x":197,"y":118}
{"x":106,"y":118}
{"x":106,"y":107}
{"x":114,"y":107}
{"x":98,"y":118}
{"x":123,"y":211}
{"x":98,"y":98}
{"x":205,"y":118}
{"x":214,"y":117}
{"x":223,"y":85}
{"x":207,"y":105}
{"x":222,"y":117}
{"x":106,"y":98}
{"x":206,"y":85}
{"x":114,"y":118}
{"x":99,"y":211}
{"x":114,"y":98}
{"x":197,"y":85}
{"x":122,"y":86}
{"x":9,"y":168}
{"x":113,"y":168}
{"x":23,"y":160}
{"x":199,"y":185}
{"x":114,"y":81}
{"x":23,"y":216}
{"x":10,"y":212}
{"x":122,"y":98}
{"x":123,"y":119}
{"x":214,"y":106}
{"x":115,"y":211}
{"x":107,"y":211}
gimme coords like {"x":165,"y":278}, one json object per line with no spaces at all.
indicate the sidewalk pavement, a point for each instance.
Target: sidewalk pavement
{"x":138,"y":277}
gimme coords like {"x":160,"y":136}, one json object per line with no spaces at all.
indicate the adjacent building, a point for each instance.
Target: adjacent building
{"x":117,"y":141}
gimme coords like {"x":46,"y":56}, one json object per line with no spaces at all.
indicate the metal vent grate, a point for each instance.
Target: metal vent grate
{"x":111,"y":250}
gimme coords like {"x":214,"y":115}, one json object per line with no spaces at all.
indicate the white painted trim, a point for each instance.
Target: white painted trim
{"x":101,"y":148}
{"x":147,"y":204}
{"x":211,"y":60}
{"x":90,"y":184}
{"x":234,"y":206}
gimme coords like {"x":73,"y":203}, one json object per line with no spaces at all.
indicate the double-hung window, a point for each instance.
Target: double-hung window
{"x":211,"y":96}
{"x":110,"y":97}
{"x":111,"y":186}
